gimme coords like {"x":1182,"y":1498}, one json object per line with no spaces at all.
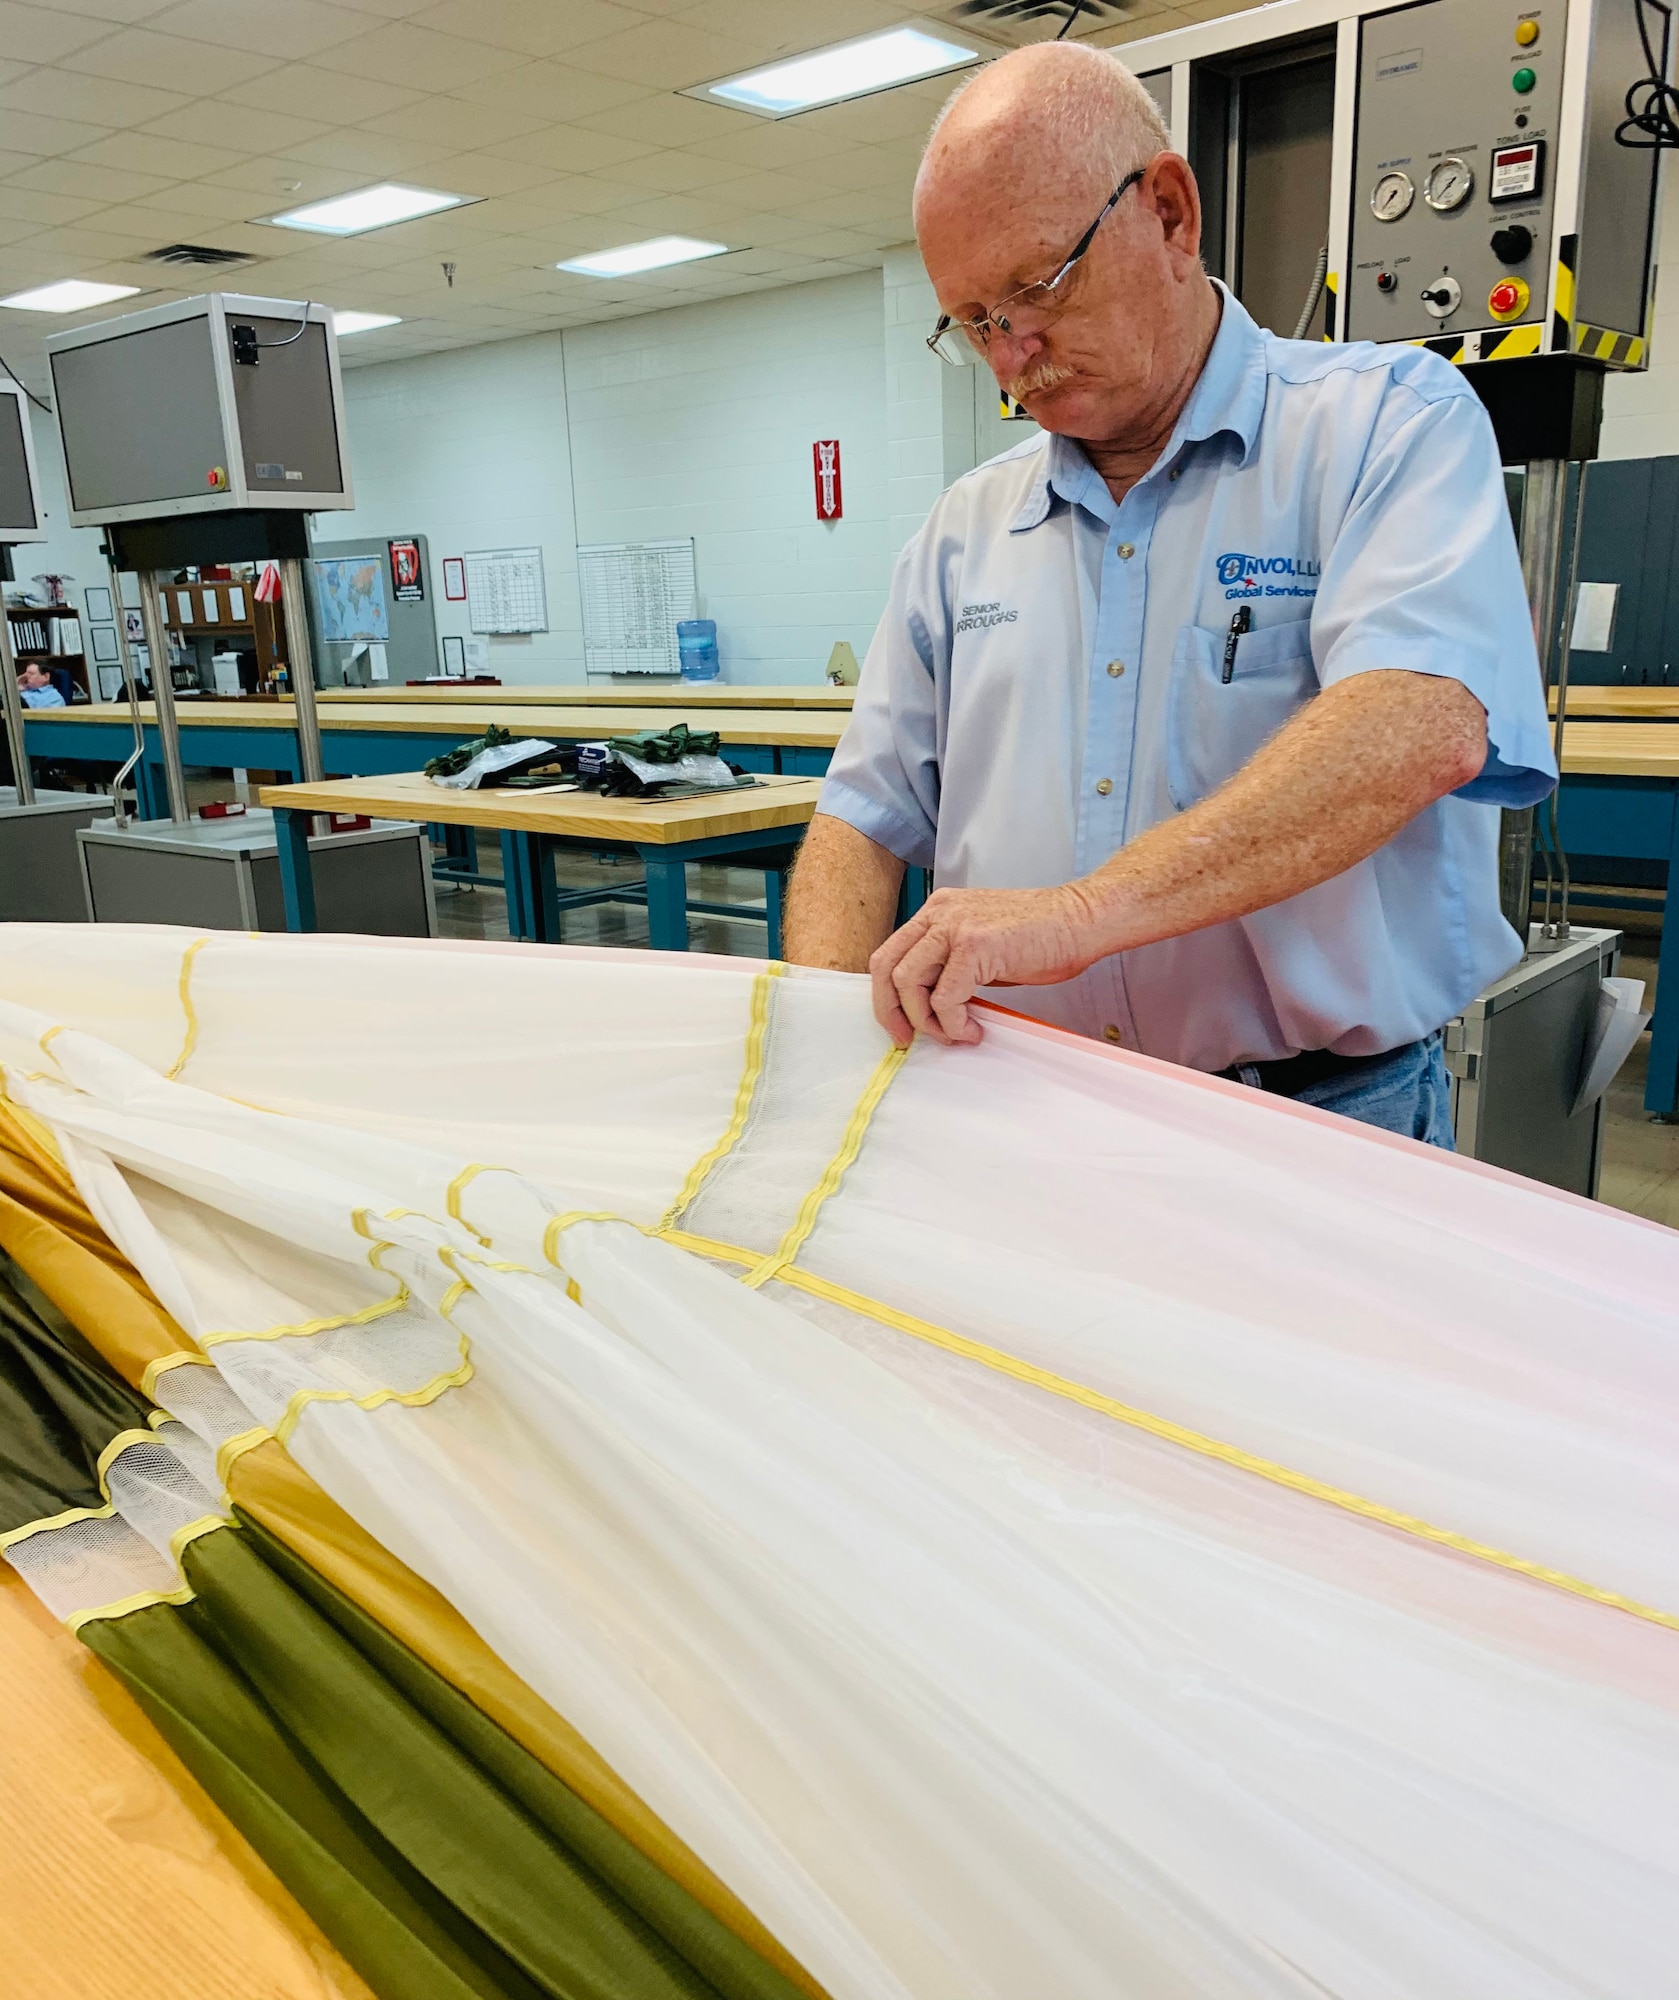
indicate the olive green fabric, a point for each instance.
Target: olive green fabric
{"x":443,"y":1860}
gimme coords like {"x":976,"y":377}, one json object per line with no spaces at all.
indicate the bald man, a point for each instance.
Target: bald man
{"x":1202,"y":705}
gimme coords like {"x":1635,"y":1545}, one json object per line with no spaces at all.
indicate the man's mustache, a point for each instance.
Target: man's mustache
{"x":1033,"y":381}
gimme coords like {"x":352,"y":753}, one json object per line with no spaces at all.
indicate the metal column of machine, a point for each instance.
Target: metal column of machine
{"x":204,"y":433}
{"x":1463,"y":170}
{"x":39,"y":875}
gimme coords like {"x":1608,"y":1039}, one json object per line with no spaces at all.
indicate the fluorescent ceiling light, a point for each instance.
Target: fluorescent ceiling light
{"x":653,"y":255}
{"x":368,"y":208}
{"x":355,"y":322}
{"x":69,"y":295}
{"x":848,"y":69}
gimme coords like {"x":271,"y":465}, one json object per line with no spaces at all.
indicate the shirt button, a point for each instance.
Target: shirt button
{"x":1176,"y":472}
{"x":1112,"y":1034}
{"x":1104,"y":786}
{"x":1115,"y":669}
{"x":1127,"y":550}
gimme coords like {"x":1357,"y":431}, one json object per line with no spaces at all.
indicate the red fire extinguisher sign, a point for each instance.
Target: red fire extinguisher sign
{"x":825,"y":462}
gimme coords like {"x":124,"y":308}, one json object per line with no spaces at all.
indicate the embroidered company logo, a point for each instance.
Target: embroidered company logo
{"x":1268,"y":576}
{"x":975,"y":617}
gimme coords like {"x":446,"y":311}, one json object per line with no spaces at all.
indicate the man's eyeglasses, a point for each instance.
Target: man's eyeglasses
{"x":1040,"y":302}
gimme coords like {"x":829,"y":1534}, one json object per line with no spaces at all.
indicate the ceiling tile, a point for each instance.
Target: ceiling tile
{"x":533,"y":27}
{"x":35,"y":205}
{"x":369,"y":156}
{"x":570,"y":149}
{"x":168,"y":62}
{"x":81,"y":177}
{"x":673,"y":173}
{"x":664,"y":54}
{"x":125,"y":12}
{"x":44,"y":34}
{"x":552,"y":91}
{"x":13,"y":229}
{"x":452,"y":122}
{"x":755,"y":143}
{"x":285,"y":28}
{"x":422,"y":59}
{"x":17,"y":163}
{"x":315,"y":91}
{"x":487,"y":174}
{"x":849,"y":209}
{"x":784,"y":27}
{"x":240,"y":127}
{"x":890,"y":164}
{"x":29,"y":132}
{"x":147,"y":153}
{"x":200,"y":198}
{"x":282,"y":182}
{"x":101,"y":100}
{"x":668,"y":120}
{"x":776,"y":191}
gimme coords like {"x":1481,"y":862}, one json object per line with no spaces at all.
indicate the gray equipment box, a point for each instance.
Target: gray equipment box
{"x":213,"y":405}
{"x":20,"y":509}
{"x":224,"y":875}
{"x":40,"y":873}
{"x":1516,"y":1056}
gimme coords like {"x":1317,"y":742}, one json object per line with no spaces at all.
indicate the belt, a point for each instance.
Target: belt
{"x":1293,"y":1074}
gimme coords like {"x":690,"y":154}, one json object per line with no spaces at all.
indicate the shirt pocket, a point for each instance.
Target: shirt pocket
{"x":1214,"y":726}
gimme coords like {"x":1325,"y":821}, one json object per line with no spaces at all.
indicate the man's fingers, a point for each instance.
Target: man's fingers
{"x":914,"y":977}
{"x":950,"y":997}
{"x":882,"y":965}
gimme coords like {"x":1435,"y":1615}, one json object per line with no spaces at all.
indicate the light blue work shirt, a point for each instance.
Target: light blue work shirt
{"x":47,"y":697}
{"x":1047,"y":682}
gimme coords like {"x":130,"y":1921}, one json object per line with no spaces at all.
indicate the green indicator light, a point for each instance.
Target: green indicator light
{"x":1523,"y":81}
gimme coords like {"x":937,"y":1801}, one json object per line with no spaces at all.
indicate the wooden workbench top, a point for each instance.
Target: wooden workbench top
{"x":662,"y":695}
{"x":1619,"y":750}
{"x":797,"y":728}
{"x":1629,"y":704}
{"x":772,"y":802}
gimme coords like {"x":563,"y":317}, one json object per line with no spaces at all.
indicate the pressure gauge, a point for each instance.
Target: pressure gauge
{"x":1392,"y":196}
{"x":1449,"y":184}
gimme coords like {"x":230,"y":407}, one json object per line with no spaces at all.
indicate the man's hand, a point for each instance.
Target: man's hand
{"x":960,"y":939}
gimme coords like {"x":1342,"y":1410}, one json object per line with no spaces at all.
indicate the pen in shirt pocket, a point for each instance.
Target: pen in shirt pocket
{"x":1241,"y":623}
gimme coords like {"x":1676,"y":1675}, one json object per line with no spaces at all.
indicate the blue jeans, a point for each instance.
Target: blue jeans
{"x":1408,"y":1092}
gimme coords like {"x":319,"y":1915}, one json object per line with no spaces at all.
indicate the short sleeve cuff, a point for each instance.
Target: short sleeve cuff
{"x":912,"y":843}
{"x":1520,"y":769}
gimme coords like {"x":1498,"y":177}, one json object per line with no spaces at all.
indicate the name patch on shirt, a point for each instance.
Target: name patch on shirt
{"x":975,"y":617}
{"x":1268,"y":576}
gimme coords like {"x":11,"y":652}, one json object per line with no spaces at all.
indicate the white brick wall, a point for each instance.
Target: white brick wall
{"x":1641,"y":412}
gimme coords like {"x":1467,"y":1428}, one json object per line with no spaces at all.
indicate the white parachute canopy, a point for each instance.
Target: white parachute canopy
{"x":1039,"y":1524}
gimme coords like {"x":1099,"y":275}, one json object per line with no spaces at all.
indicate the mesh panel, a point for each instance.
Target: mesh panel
{"x":403,"y":1351}
{"x":91,"y":1563}
{"x":159,"y":1487}
{"x":819,"y":1054}
{"x":203,"y":1401}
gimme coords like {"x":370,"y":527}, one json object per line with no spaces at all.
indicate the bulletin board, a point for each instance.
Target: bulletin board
{"x":633,"y":593}
{"x":505,"y":591}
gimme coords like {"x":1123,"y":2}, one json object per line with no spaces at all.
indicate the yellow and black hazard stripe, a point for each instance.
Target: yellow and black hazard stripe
{"x":1562,"y":313}
{"x":1603,"y":343}
{"x":1449,"y":347}
{"x":1509,"y":343}
{"x":1331,"y":285}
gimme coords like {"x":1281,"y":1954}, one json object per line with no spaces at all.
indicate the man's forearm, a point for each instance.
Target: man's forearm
{"x":1326,"y":792}
{"x":844,"y":898}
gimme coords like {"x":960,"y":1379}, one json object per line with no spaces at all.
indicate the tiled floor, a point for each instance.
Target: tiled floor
{"x":1641,"y":1157}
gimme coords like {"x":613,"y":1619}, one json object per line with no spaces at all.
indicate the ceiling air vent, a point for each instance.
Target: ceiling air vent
{"x":1033,"y":20}
{"x":196,"y":253}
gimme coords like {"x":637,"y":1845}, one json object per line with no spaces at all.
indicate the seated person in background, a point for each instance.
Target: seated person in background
{"x":35,"y":685}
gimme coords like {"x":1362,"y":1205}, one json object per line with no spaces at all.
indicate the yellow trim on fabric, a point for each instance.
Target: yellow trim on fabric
{"x":811,"y":1207}
{"x":232,"y":1449}
{"x":191,"y":1531}
{"x":1226,"y":1454}
{"x":187,"y":1008}
{"x":51,"y":1035}
{"x":412,"y":1399}
{"x":162,"y":1365}
{"x":398,"y":1299}
{"x":41,"y":1133}
{"x":458,"y":1186}
{"x":757,"y":1029}
{"x":558,"y":1224}
{"x":46,"y":1524}
{"x":115,"y":1449}
{"x":123,"y":1441}
{"x":142,"y":1600}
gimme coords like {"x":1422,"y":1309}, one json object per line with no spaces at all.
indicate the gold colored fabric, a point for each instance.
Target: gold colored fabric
{"x":47,"y":1229}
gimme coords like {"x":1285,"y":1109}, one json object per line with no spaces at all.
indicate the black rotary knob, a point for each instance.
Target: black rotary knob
{"x":1512,"y":243}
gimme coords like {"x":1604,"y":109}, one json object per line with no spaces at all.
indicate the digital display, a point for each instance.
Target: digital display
{"x":1516,"y":171}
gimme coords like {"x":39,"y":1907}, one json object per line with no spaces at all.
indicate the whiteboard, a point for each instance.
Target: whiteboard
{"x":505,"y":591}
{"x":633,"y":594}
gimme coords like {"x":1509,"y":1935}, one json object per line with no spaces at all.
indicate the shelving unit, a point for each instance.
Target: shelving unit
{"x":205,"y":611}
{"x":31,"y":640}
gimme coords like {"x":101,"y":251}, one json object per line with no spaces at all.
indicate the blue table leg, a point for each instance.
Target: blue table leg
{"x":667,"y":901}
{"x":516,"y":875}
{"x":918,"y":884}
{"x":775,"y":887}
{"x":151,"y":799}
{"x":297,"y":878}
{"x":1661,"y":1086}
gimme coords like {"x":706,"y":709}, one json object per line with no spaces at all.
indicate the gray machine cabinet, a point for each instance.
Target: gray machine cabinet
{"x":20,"y":505}
{"x":224,"y":875}
{"x":1516,"y":1056}
{"x":40,"y":874}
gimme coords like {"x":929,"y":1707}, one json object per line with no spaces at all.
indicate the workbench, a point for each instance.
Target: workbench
{"x":370,"y":736}
{"x":757,"y":827}
{"x":668,"y":694}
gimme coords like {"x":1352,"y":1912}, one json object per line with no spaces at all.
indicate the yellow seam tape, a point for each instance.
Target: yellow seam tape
{"x":429,"y":1392}
{"x":397,"y":1300}
{"x":190,"y":1532}
{"x":462,"y":1181}
{"x":44,"y":1526}
{"x":188,"y":1009}
{"x":560,"y":1223}
{"x":163,"y":1364}
{"x":235,"y":1447}
{"x":51,"y":1035}
{"x":756,"y":1030}
{"x":107,"y":1458}
{"x":811,"y":1207}
{"x":140,"y":1601}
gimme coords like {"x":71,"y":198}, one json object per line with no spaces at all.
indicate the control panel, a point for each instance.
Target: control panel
{"x":1459,"y":106}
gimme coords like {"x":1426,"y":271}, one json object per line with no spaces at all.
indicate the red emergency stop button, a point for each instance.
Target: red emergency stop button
{"x":216,"y":478}
{"x":1508,"y":298}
